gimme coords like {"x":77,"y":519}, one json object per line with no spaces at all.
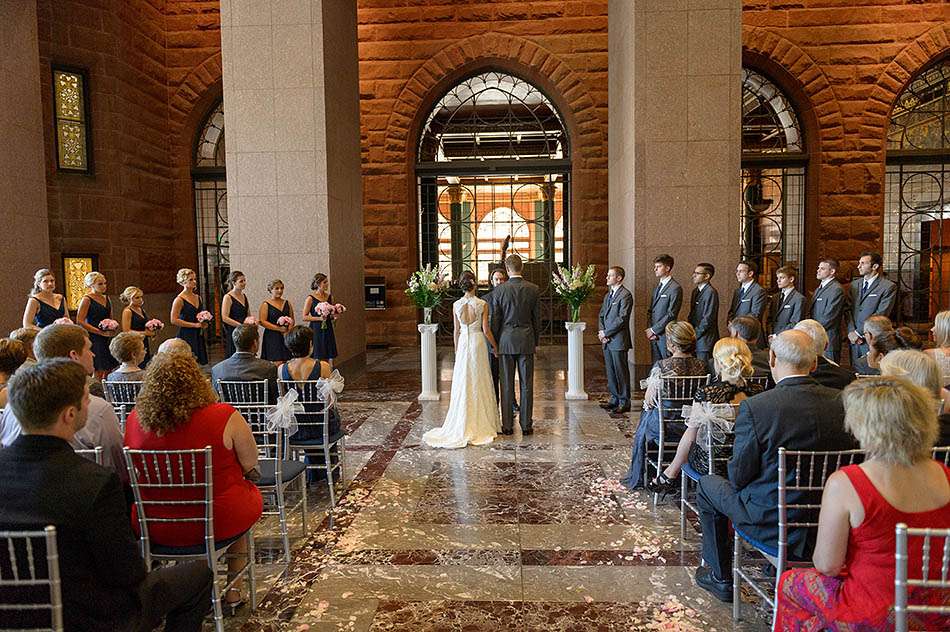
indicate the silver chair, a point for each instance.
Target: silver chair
{"x":804,"y":472}
{"x":20,"y":575}
{"x":158,"y":474}
{"x":942,"y":454}
{"x":863,"y":376}
{"x":277,"y":474}
{"x":902,"y":582}
{"x":759,"y":379}
{"x":93,"y":454}
{"x":252,"y":392}
{"x":119,"y":393}
{"x":313,"y":421}
{"x":122,"y":412}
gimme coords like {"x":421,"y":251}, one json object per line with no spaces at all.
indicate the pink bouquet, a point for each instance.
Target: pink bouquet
{"x":107,"y":324}
{"x":285,"y":321}
{"x":250,"y":320}
{"x":204,"y":316}
{"x":325,"y":311}
{"x":154,"y":324}
{"x":339,"y":308}
{"x":65,"y":320}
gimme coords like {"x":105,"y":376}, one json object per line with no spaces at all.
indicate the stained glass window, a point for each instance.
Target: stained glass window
{"x":75,"y":268}
{"x":70,"y":116}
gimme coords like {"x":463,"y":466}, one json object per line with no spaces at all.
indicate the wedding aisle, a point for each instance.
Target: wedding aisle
{"x":529,"y":533}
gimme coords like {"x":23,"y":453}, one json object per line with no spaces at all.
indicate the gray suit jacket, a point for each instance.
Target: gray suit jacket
{"x":704,"y":316}
{"x":516,"y":316}
{"x":752,"y":304}
{"x":665,"y":306}
{"x":786,"y":311}
{"x":246,"y":367}
{"x":614,"y":319}
{"x":827,"y":307}
{"x":878,"y":301}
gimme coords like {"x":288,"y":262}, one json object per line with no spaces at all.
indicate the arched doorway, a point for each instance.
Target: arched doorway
{"x":493,"y":165}
{"x":211,"y":208}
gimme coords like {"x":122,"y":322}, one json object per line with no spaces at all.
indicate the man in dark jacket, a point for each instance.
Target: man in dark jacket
{"x":704,"y":310}
{"x":614,"y":334}
{"x":827,"y":373}
{"x":244,"y":365}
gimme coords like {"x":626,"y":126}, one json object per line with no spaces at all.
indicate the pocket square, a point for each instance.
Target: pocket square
{"x":663,"y":296}
{"x":871,"y":295}
{"x":746,"y":300}
{"x":819,"y":299}
{"x":787,"y":307}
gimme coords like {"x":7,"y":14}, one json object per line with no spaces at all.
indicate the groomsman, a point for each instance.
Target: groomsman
{"x":788,"y":304}
{"x":871,"y":295}
{"x":664,"y":307}
{"x":614,"y":335}
{"x":827,"y":305}
{"x":750,"y":298}
{"x":704,"y":310}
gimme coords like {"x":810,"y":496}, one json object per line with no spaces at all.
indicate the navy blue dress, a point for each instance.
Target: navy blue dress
{"x":100,"y":344}
{"x":138,"y":324}
{"x":324,"y":340}
{"x":312,"y":434}
{"x":47,"y":314}
{"x":194,"y":337}
{"x":273,"y":347}
{"x":237,"y":312}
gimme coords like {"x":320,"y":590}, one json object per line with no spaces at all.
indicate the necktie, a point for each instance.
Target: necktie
{"x":864,"y":289}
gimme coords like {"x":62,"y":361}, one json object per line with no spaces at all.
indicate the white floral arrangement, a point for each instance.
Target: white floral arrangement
{"x":573,"y":285}
{"x":427,"y":287}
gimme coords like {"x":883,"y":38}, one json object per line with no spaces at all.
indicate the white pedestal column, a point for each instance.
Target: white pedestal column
{"x":430,"y":376}
{"x":575,"y":360}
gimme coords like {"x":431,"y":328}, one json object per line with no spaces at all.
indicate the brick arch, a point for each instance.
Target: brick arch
{"x":196,"y":93}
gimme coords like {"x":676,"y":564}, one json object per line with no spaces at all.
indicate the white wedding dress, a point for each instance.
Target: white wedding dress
{"x":473,"y":412}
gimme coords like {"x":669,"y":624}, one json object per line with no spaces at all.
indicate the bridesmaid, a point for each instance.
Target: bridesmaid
{"x":184,"y":314}
{"x":134,"y":318}
{"x":43,"y":306}
{"x":95,"y":307}
{"x":273,"y":347}
{"x":234,"y":309}
{"x":324,"y":340}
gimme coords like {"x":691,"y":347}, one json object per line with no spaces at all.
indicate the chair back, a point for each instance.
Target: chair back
{"x":762,"y":380}
{"x":22,"y":577}
{"x":122,"y":393}
{"x":942,"y":453}
{"x":270,"y":441}
{"x":172,"y":486}
{"x":677,"y":391}
{"x":863,"y":376}
{"x":236,"y":392}
{"x":710,"y":435}
{"x":933,"y":542}
{"x":93,"y":454}
{"x":313,"y":416}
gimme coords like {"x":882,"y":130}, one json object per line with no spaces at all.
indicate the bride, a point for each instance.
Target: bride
{"x":473,"y":412}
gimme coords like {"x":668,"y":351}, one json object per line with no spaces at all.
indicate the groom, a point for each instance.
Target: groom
{"x":515,"y":313}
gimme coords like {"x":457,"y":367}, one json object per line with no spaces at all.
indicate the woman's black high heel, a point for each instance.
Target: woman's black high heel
{"x":663,"y":485}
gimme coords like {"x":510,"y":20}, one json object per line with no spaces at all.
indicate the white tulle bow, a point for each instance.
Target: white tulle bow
{"x":716,"y":419}
{"x":284,"y":414}
{"x":330,"y":386}
{"x":652,"y":385}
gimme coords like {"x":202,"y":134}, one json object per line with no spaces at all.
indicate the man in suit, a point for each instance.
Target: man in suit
{"x":750,"y":298}
{"x":871,"y":295}
{"x":874,"y":326}
{"x":244,"y":365}
{"x":664,"y":306}
{"x":498,"y":276}
{"x":614,"y":335}
{"x":748,"y":329}
{"x":704,"y":310}
{"x":827,"y":373}
{"x":798,"y":414}
{"x":827,"y":305}
{"x":105,"y":584}
{"x":788,"y":304}
{"x":517,"y":318}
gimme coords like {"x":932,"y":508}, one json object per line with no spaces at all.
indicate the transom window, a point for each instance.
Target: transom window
{"x":211,"y":208}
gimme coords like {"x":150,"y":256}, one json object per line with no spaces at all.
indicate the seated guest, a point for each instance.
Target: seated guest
{"x":748,"y":329}
{"x":26,"y":335}
{"x":680,"y":345}
{"x":244,"y":365}
{"x":174,"y":345}
{"x":733,"y":362}
{"x":798,"y":414}
{"x":102,"y":427}
{"x":105,"y":584}
{"x":177,"y":410}
{"x":828,"y":373}
{"x":940,"y":353}
{"x":886,"y":342}
{"x":852,"y":584}
{"x":922,"y":370}
{"x":12,"y":356}
{"x":874,"y":326}
{"x":128,"y":348}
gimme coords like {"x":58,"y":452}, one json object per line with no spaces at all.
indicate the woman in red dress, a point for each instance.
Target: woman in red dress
{"x":177,"y":410}
{"x":851,"y":587}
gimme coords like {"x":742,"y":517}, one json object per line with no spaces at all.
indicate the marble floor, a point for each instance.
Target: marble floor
{"x":529,"y":533}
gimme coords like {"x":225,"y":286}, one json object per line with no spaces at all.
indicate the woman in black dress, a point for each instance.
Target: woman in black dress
{"x":184,"y":314}
{"x":324,"y":340}
{"x":234,"y":309}
{"x":93,"y":308}
{"x":273,"y":347}
{"x":134,"y":318}
{"x":43,"y":306}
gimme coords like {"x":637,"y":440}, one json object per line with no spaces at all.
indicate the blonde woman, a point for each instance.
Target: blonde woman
{"x":94,"y":308}
{"x":269,"y":315}
{"x":921,"y":369}
{"x":185,"y":309}
{"x":134,"y":318}
{"x":43,"y":306}
{"x":941,"y":353}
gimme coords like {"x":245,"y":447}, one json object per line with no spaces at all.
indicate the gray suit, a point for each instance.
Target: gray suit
{"x":752,"y":302}
{"x":246,"y":367}
{"x":516,"y":316}
{"x":786,"y":311}
{"x":704,"y":317}
{"x":664,"y":309}
{"x":877,"y":301}
{"x":827,"y":307}
{"x":614,"y":321}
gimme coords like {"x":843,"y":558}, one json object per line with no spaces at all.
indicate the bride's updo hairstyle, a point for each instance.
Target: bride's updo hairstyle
{"x":733,"y":360}
{"x":467,"y":281}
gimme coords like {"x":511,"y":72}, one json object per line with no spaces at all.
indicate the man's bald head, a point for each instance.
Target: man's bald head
{"x":792,"y":352}
{"x":174,"y":345}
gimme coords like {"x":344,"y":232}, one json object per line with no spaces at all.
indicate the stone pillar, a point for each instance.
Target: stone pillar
{"x":24,"y":244}
{"x":674,"y":144}
{"x":291,"y":109}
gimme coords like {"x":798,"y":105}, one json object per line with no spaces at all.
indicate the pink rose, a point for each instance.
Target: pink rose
{"x":107,"y":324}
{"x":65,"y":320}
{"x":339,"y":308}
{"x":250,"y":320}
{"x":154,"y":324}
{"x":285,"y":321}
{"x":204,"y":316}
{"x":324,"y":310}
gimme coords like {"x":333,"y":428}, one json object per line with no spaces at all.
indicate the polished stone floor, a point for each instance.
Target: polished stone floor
{"x":529,"y":533}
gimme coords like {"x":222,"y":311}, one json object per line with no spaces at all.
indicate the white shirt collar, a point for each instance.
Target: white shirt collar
{"x":826,"y":281}
{"x":786,"y":291}
{"x":665,"y":280}
{"x":745,"y":286}
{"x":791,"y":376}
{"x":869,"y":281}
{"x":702,"y":286}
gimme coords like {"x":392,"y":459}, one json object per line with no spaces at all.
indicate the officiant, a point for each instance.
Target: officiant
{"x":498,"y":276}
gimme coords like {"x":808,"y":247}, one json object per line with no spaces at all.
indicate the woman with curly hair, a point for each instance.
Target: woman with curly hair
{"x":177,"y":410}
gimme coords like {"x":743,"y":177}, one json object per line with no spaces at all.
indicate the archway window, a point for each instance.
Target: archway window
{"x":773,"y":177}
{"x":917,"y":196}
{"x":211,"y":208}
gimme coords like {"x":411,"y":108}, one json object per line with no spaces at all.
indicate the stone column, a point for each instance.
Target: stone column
{"x":291,"y":110}
{"x":24,"y":243}
{"x":674,"y":144}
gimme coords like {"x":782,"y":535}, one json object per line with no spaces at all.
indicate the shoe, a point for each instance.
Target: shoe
{"x":529,"y":431}
{"x":607,"y":405}
{"x":230,"y":608}
{"x":663,"y":485}
{"x":720,"y":588}
{"x":507,"y":432}
{"x":620,"y":410}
